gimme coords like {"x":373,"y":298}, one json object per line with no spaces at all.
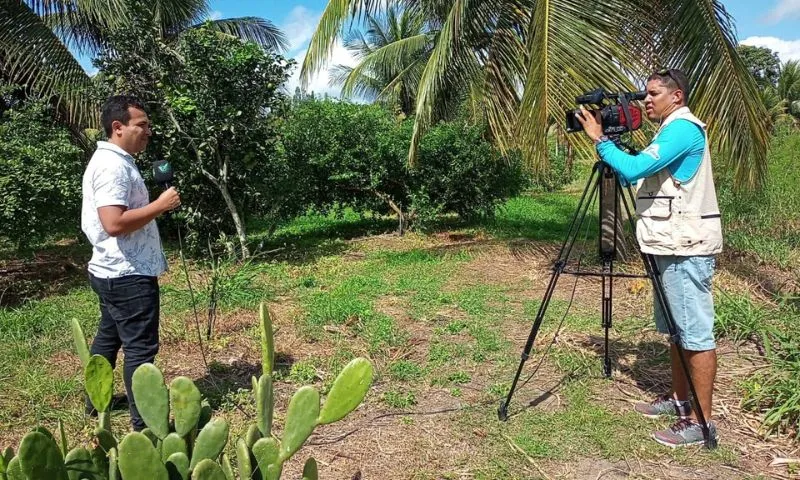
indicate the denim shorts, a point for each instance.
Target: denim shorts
{"x":687,"y":285}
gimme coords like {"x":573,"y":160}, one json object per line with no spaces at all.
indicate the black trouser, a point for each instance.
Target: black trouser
{"x":129,"y":312}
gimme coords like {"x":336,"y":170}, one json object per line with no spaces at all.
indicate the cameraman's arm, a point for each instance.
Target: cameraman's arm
{"x":673,"y":144}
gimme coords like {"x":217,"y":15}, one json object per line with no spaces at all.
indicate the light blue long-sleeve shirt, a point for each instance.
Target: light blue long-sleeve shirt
{"x":679,"y":147}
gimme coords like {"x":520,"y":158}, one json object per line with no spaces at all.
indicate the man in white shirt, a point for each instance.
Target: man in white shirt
{"x":119,"y":221}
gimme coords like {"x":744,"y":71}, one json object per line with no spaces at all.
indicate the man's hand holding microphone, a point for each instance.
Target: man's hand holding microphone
{"x":164,"y":175}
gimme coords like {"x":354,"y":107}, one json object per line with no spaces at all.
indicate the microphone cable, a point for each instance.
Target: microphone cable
{"x":191,"y":295}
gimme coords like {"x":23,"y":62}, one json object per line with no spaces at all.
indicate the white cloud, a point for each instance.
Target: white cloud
{"x":786,"y":49}
{"x":319,"y":83}
{"x":785,"y":9}
{"x":215,"y":15}
{"x":299,"y":26}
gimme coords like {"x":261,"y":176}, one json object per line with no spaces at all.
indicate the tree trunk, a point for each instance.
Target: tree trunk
{"x":237,"y":220}
{"x":401,"y":217}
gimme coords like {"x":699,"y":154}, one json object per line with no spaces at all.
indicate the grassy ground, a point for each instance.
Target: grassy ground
{"x":444,"y":317}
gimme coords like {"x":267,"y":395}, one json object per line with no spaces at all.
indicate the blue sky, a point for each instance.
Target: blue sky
{"x":774,"y":24}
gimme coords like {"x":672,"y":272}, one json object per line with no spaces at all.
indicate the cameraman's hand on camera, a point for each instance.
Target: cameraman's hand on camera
{"x":591,"y":123}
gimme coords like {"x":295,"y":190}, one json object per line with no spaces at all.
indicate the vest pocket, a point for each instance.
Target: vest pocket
{"x":703,"y":233}
{"x":654,"y":206}
{"x":655,"y":214}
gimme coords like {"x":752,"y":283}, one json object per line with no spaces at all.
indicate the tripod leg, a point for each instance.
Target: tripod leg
{"x":502,"y":412}
{"x":566,"y":248}
{"x":660,"y":296}
{"x":608,"y":282}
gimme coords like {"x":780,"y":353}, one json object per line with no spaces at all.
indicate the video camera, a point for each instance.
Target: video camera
{"x":617,"y":118}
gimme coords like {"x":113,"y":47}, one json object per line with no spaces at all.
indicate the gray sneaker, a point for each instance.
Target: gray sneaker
{"x":683,"y":433}
{"x":664,"y":405}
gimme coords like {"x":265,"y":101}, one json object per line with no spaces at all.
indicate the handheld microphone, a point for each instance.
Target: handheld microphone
{"x":163,"y":173}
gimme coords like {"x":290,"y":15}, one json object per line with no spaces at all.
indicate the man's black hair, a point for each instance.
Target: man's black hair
{"x":116,"y":108}
{"x":673,"y":79}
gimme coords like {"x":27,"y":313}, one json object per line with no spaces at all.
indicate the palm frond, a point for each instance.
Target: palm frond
{"x":79,"y":33}
{"x":573,"y":49}
{"x":174,"y":16}
{"x":393,"y":57}
{"x":439,"y":65}
{"x":505,"y":62}
{"x":364,"y":86}
{"x":725,"y":94}
{"x":330,"y":25}
{"x":357,"y":45}
{"x":789,"y":81}
{"x":104,"y":13}
{"x":32,"y":55}
{"x":253,"y":29}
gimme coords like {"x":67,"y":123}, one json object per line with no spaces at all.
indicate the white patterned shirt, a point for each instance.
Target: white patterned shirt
{"x":111,"y":178}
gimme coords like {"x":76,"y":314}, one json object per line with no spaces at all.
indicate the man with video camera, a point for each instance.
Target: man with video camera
{"x":679,"y":224}
{"x":118,"y":218}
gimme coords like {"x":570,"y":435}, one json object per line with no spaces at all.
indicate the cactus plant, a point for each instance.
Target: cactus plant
{"x":266,"y":452}
{"x":303,"y":415}
{"x":227,"y":468}
{"x":267,"y":340}
{"x":80,"y":342}
{"x":14,"y":471}
{"x":104,"y":443}
{"x":301,"y":418}
{"x":178,"y":466}
{"x":62,"y":435}
{"x":244,"y":460}
{"x":264,"y":405}
{"x":80,"y":466}
{"x":310,"y":470}
{"x":152,"y":398}
{"x":185,"y":404}
{"x":39,"y":457}
{"x":210,"y":442}
{"x":192,"y":449}
{"x":173,"y":443}
{"x":208,"y":470}
{"x":113,"y":465}
{"x":347,"y":392}
{"x":139,"y":459}
{"x":98,"y":377}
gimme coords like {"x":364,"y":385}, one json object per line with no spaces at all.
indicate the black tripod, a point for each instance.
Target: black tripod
{"x":604,"y":182}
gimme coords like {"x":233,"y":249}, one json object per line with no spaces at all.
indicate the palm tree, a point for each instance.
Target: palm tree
{"x":36,"y":37}
{"x":524,"y":61}
{"x":788,"y":89}
{"x":392,"y":54}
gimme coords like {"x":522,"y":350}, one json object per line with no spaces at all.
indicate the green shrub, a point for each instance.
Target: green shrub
{"x":458,"y":171}
{"x":40,"y":173}
{"x":356,"y":156}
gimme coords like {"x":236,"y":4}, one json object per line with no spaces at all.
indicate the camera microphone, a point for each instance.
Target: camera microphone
{"x":163,"y":173}
{"x":637,"y":96}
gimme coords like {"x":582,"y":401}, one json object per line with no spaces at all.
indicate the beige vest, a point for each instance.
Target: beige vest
{"x":679,"y":219}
